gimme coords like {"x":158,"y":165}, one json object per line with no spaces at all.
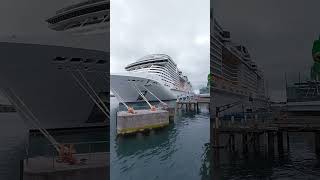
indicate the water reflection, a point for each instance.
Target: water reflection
{"x":296,"y":161}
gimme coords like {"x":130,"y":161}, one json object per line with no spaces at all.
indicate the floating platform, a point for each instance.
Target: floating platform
{"x":142,"y":120}
{"x":92,"y":166}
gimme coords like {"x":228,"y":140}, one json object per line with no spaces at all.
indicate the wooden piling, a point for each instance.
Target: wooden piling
{"x":288,"y":142}
{"x":233,"y":142}
{"x":280,"y":141}
{"x":244,"y":142}
{"x":317,"y":142}
{"x":270,"y":142}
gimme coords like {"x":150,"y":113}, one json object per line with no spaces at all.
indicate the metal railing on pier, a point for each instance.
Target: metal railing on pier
{"x":246,"y":119}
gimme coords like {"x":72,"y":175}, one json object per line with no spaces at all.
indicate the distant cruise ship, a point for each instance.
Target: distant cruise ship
{"x":155,"y":74}
{"x":235,"y":77}
{"x":303,"y":97}
{"x":57,"y":81}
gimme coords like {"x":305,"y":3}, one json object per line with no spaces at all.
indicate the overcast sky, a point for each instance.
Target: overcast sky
{"x":178,"y":28}
{"x":25,"y":21}
{"x":278,"y":34}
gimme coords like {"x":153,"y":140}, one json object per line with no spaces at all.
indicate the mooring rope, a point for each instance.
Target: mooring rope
{"x":86,"y":81}
{"x":92,"y":98}
{"x":140,"y":93}
{"x":154,"y":95}
{"x":119,"y":98}
{"x":32,"y":118}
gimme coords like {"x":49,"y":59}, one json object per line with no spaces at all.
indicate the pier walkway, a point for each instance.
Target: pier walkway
{"x":253,"y":133}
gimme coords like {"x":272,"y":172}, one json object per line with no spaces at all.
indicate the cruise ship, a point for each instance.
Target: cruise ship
{"x":235,"y":77}
{"x":303,"y":97}
{"x":156,"y":76}
{"x":61,"y":83}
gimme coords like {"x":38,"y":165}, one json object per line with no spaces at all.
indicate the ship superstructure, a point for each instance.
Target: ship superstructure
{"x":151,"y":71}
{"x":234,"y":74}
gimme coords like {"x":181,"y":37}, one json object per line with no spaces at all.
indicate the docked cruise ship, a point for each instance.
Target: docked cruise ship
{"x":235,"y":77}
{"x":303,"y":97}
{"x":156,"y":76}
{"x":61,"y":83}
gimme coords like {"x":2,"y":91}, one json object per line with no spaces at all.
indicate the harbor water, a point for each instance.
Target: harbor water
{"x":299,"y":161}
{"x":179,"y":151}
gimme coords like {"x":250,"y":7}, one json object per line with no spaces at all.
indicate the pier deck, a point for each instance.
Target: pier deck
{"x":250,"y":132}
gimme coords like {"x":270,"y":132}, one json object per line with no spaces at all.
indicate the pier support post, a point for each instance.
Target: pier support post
{"x":244,"y":142}
{"x":288,"y":142}
{"x":280,"y":141}
{"x":270,"y":142}
{"x":232,"y":142}
{"x":197,"y":106}
{"x":317,"y":142}
{"x":256,"y":141}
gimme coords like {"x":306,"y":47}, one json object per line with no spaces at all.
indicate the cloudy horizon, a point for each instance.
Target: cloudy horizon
{"x":144,"y":27}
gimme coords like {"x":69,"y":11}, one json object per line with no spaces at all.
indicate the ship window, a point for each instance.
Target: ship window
{"x":101,"y":62}
{"x":75,"y":59}
{"x":88,"y":61}
{"x":60,"y":58}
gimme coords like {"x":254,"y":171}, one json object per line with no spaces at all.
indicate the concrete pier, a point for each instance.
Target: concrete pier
{"x":140,"y":121}
{"x":93,"y":166}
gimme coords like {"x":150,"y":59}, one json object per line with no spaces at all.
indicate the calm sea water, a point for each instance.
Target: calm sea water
{"x":176,"y":152}
{"x":297,"y":162}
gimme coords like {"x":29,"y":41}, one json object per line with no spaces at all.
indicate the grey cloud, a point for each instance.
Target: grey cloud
{"x":279,"y":34}
{"x":144,"y":27}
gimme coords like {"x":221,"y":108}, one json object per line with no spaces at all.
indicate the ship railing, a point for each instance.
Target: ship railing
{"x":247,"y":119}
{"x":82,"y":151}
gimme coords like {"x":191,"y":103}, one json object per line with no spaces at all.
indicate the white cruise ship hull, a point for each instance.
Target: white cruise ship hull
{"x":123,"y":85}
{"x":48,"y":88}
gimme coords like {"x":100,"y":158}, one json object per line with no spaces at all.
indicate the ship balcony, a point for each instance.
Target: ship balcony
{"x":101,"y":17}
